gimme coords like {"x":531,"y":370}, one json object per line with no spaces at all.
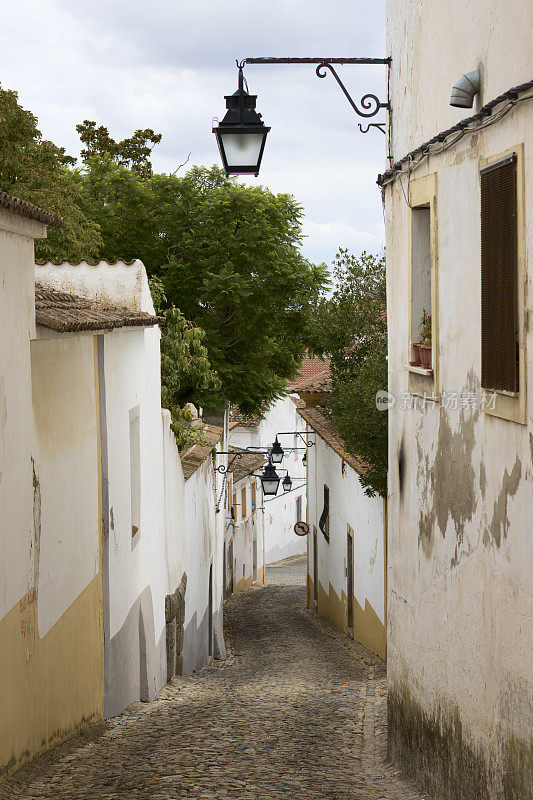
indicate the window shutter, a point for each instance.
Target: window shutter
{"x":499,"y":277}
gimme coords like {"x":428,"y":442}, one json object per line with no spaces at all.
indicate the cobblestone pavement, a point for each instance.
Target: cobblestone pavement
{"x":297,"y":711}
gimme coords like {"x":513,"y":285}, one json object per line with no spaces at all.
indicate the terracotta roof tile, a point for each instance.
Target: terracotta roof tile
{"x":65,"y":312}
{"x":316,"y":384}
{"x":192,"y":458}
{"x":245,"y":464}
{"x":238,"y":419}
{"x":324,"y":428}
{"x":29,"y":210}
{"x":311,"y":366}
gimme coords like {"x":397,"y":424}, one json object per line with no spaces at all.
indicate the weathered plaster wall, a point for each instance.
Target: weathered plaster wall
{"x":51,"y":648}
{"x":194,"y":545}
{"x":280,"y":513}
{"x":460,"y":615}
{"x":348,"y":506}
{"x":243,"y":535}
{"x":136,"y":570}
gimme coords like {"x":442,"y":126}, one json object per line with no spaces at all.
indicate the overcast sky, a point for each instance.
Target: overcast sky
{"x":165,"y":65}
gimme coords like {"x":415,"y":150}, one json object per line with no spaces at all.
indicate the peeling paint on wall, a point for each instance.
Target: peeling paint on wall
{"x":500,"y":523}
{"x":452,"y":481}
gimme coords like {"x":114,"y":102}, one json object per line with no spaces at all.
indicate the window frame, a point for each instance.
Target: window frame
{"x":508,"y":405}
{"x":243,"y":502}
{"x":423,"y":194}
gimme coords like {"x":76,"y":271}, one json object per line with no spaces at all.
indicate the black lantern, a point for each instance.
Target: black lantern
{"x":287,"y":483}
{"x":276,"y":453}
{"x":304,"y":459}
{"x":270,"y":480}
{"x":242,"y":134}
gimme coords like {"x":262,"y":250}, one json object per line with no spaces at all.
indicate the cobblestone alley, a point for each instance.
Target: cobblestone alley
{"x":297,"y":710}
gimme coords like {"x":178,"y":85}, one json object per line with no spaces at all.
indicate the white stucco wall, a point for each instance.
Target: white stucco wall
{"x":244,"y":532}
{"x":460,"y":556}
{"x":137,"y":569}
{"x":194,"y":540}
{"x":17,"y":327}
{"x":280,"y":513}
{"x":123,"y":284}
{"x":348,"y":505}
{"x":66,"y":465}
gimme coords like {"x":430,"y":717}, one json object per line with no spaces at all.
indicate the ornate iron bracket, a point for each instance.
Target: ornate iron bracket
{"x":370,"y":103}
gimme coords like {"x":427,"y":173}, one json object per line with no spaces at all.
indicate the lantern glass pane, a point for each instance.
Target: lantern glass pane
{"x":270,"y":485}
{"x":242,"y":149}
{"x":277,"y":458}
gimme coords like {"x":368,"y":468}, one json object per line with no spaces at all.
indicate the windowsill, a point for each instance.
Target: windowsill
{"x":419,"y":370}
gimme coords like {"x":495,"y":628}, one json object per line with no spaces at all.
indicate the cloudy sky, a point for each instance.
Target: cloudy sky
{"x":131,"y":64}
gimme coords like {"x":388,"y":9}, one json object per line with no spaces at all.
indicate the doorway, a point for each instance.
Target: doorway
{"x":349,"y":580}
{"x":255,"y":560}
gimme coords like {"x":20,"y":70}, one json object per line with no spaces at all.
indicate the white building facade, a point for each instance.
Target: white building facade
{"x":280,"y":513}
{"x":347,"y":539}
{"x":459,"y":233}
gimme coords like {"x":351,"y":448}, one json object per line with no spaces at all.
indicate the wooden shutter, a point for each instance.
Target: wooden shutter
{"x":499,"y":277}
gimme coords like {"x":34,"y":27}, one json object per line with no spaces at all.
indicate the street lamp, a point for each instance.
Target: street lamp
{"x":270,"y":480}
{"x":242,"y":134}
{"x":276,"y":454}
{"x":287,"y":483}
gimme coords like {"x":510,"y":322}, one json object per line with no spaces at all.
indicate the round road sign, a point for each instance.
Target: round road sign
{"x":301,"y":529}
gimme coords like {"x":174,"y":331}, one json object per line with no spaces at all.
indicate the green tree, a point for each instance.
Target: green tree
{"x":133,"y":152}
{"x":351,"y":327}
{"x":39,"y":172}
{"x":230,"y":259}
{"x":186,"y":375}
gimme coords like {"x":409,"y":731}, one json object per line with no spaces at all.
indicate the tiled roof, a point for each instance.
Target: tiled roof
{"x":324,"y":428}
{"x":25,"y":209}
{"x":192,"y":458}
{"x":317,"y":384}
{"x":64,"y":312}
{"x":311,"y":366}
{"x":245,"y":464}
{"x":238,"y":419}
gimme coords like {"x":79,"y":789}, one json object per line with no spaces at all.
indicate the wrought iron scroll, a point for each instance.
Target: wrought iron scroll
{"x":369,"y":102}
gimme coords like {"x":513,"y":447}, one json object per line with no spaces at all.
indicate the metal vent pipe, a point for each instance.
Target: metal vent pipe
{"x":464,"y":90}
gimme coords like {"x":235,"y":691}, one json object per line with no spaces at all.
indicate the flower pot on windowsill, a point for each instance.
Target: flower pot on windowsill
{"x":416,"y":355}
{"x":425,"y":351}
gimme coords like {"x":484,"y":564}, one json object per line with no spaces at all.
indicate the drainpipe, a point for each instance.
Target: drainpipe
{"x":464,"y":90}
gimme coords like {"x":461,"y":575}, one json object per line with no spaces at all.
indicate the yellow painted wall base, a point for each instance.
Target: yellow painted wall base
{"x":244,"y":583}
{"x":261,"y":575}
{"x":50,"y":687}
{"x":368,"y":628}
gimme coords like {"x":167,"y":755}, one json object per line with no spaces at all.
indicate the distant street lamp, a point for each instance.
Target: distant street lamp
{"x":287,"y":483}
{"x":242,"y":134}
{"x":276,"y":454}
{"x":270,"y":480}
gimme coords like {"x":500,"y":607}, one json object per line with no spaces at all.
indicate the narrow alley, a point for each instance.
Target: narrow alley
{"x":297,"y":710}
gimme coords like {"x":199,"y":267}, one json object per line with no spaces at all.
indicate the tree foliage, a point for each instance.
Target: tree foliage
{"x":351,"y":327}
{"x":185,"y":370}
{"x":133,"y":152}
{"x":234,"y":266}
{"x":229,"y":257}
{"x":37,"y":171}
